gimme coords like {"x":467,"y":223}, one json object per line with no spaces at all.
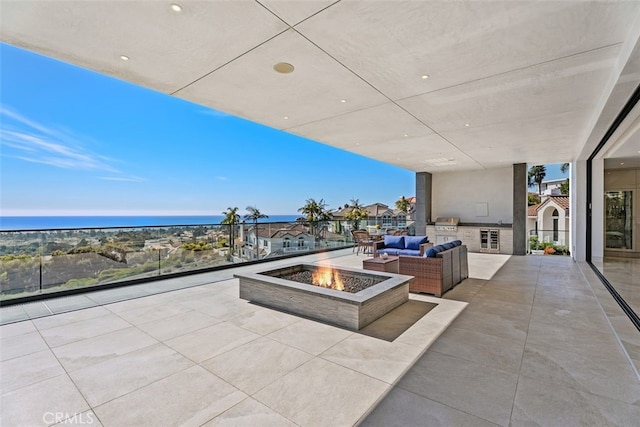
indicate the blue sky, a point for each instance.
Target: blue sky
{"x":78,"y":143}
{"x":74,"y":142}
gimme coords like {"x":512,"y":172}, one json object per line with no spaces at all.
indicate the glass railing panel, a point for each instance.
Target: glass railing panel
{"x":553,"y":242}
{"x":194,"y":255}
{"x":99,"y":256}
{"x":48,"y":261}
{"x":19,"y":275}
{"x":20,"y":264}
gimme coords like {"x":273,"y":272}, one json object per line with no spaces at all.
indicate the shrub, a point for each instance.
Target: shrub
{"x":197,"y":246}
{"x":535,"y":244}
{"x":561,"y":250}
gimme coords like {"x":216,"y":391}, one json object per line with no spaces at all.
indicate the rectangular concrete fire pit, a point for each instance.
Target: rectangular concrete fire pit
{"x":273,"y":288}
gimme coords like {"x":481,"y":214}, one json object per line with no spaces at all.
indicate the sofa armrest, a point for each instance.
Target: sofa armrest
{"x":424,"y":247}
{"x":378,"y":244}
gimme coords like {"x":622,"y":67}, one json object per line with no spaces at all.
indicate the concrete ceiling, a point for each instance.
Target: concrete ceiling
{"x":508,"y":82}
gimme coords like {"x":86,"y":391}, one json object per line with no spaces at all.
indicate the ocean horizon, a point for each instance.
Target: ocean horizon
{"x":31,"y":223}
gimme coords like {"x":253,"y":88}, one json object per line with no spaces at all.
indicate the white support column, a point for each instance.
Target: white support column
{"x":579,"y":210}
{"x":597,"y":210}
{"x":578,"y":192}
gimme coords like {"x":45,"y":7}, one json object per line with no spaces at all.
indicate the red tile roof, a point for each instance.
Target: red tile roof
{"x":561,"y":201}
{"x":533,"y":210}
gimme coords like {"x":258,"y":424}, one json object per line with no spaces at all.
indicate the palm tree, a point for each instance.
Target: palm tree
{"x":564,"y":167}
{"x":231,"y":218}
{"x":403,"y":204}
{"x":315,"y":211}
{"x":254,"y":215}
{"x":356,"y":214}
{"x":536,"y":175}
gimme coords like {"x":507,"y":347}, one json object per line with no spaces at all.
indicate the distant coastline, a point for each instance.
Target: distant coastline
{"x":15,"y":223}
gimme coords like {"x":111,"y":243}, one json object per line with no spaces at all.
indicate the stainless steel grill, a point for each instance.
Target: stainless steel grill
{"x":446,"y":229}
{"x":449,"y":224}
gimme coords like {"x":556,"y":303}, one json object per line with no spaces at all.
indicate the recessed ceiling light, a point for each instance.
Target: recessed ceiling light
{"x":467,"y":125}
{"x":343,"y":100}
{"x":406,"y":135}
{"x":621,"y":163}
{"x":176,"y":7}
{"x":283,"y":68}
{"x":357,"y":143}
{"x":124,"y":57}
{"x":286,"y":117}
{"x":425,"y":77}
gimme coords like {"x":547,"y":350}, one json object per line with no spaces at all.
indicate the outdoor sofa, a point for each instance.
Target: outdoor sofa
{"x":438,"y":270}
{"x":401,"y":245}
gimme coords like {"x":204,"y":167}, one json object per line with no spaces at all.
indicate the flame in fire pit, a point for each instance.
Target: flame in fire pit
{"x":327,"y":277}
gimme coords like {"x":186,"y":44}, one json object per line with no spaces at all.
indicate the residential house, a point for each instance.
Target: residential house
{"x":550,"y":220}
{"x":281,"y":238}
{"x":377,"y":214}
{"x":551,"y":187}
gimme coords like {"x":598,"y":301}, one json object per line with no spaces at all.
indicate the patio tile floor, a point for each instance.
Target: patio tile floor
{"x":534,"y":345}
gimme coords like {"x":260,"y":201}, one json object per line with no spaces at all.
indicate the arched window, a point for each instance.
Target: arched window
{"x":300,"y":242}
{"x":554,"y":216}
{"x":286,"y":243}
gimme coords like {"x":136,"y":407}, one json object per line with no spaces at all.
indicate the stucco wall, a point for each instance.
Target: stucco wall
{"x":470,"y":236}
{"x":465,"y":194}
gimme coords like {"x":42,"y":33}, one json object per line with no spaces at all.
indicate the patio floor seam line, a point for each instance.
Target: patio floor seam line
{"x":444,"y":403}
{"x":474,"y":361}
{"x":350,"y":369}
{"x":47,"y":307}
{"x":399,"y":378}
{"x":221,"y":379}
{"x":64,"y":369}
{"x":488,"y":335}
{"x":139,"y":388}
{"x":576,"y":389}
{"x":81,"y":339}
{"x":526,"y":339}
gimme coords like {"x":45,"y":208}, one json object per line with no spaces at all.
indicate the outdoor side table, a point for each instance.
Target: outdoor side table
{"x":388,"y":265}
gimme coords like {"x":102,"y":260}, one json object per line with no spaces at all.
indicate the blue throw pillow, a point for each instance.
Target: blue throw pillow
{"x":457,"y":242}
{"x":430,"y":253}
{"x":448,"y":245}
{"x":438,"y":248}
{"x":394,"y":242}
{"x":414,"y":242}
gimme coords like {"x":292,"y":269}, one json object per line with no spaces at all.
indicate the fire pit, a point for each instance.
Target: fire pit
{"x":345,"y":297}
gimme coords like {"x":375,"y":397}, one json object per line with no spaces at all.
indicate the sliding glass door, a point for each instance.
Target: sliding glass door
{"x":619,"y":220}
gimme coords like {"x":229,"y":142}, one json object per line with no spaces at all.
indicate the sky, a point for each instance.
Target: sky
{"x":75,"y":142}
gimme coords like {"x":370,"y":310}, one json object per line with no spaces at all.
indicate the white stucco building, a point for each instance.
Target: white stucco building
{"x":549,"y":220}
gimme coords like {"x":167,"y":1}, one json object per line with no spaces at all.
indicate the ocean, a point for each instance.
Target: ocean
{"x":21,"y":223}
